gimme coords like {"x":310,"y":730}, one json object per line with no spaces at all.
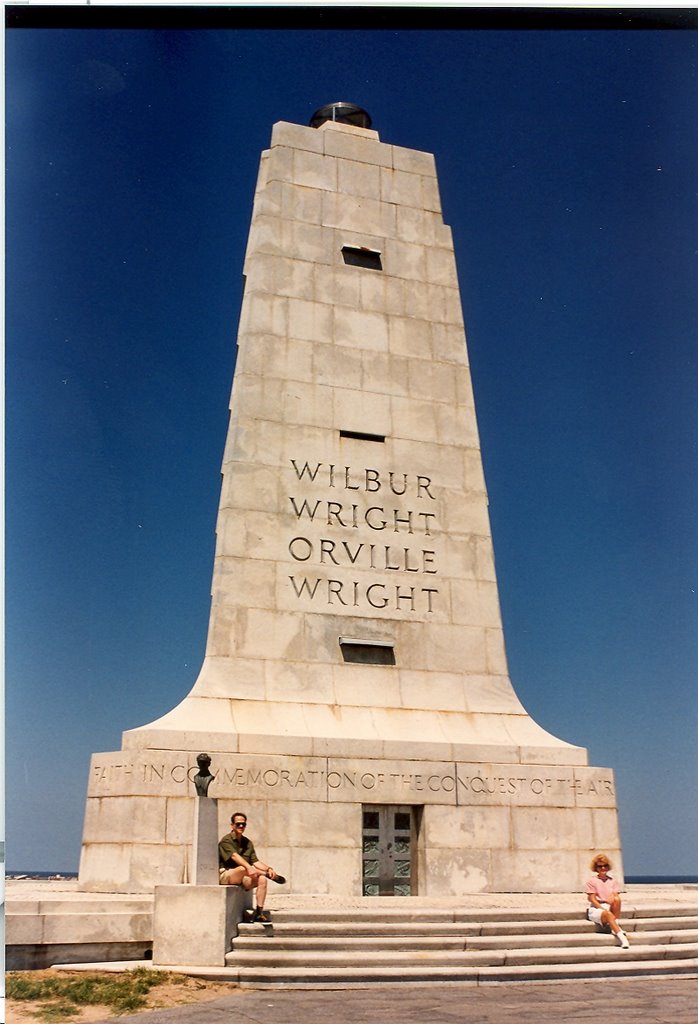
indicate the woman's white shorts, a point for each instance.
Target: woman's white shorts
{"x":594,"y":914}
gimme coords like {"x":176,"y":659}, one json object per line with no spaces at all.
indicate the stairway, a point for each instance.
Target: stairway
{"x":312,"y":948}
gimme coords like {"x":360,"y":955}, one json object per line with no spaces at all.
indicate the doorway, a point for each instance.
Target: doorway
{"x":389,"y":850}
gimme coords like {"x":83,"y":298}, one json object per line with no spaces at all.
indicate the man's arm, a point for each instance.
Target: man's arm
{"x":241,"y":861}
{"x":265,"y":869}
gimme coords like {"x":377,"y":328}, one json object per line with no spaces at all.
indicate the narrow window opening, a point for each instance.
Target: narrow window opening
{"x":360,"y":256}
{"x":358,"y":435}
{"x":367,"y":652}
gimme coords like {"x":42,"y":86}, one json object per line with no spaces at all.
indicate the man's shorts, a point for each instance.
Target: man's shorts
{"x":224,"y":875}
{"x":594,"y":914}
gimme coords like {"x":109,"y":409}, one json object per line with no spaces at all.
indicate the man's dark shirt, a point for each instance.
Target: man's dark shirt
{"x":242,"y":846}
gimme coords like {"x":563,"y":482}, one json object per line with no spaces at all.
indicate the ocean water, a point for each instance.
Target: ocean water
{"x":661,"y":879}
{"x":41,"y":874}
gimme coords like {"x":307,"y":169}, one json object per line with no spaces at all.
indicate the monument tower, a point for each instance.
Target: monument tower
{"x":354,"y":696}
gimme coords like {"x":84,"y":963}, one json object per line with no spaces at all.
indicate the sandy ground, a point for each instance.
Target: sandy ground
{"x":169,"y":994}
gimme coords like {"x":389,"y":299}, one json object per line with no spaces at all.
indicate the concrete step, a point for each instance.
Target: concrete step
{"x":571,"y":924}
{"x":430,"y":915}
{"x":670,"y":910}
{"x":414,"y":915}
{"x":684,"y":937}
{"x":347,"y":959}
{"x":447,"y":929}
{"x":86,"y":907}
{"x":308,"y":944}
{"x":347,"y":977}
{"x":47,"y":929}
{"x":650,"y":923}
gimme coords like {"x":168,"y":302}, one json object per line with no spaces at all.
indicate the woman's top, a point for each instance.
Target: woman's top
{"x":603,"y":890}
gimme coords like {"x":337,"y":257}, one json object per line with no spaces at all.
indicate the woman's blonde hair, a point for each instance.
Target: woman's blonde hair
{"x":597,"y":858}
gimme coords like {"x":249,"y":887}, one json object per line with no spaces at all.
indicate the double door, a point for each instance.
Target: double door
{"x":389,"y":847}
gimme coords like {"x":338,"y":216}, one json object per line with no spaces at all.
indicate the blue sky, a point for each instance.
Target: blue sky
{"x":567,"y":162}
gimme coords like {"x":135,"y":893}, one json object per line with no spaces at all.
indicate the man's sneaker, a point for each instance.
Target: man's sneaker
{"x":262,"y":916}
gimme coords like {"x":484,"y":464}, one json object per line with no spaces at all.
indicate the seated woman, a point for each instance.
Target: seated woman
{"x":603,"y":893}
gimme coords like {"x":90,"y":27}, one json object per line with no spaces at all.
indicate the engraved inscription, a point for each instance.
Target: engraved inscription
{"x":153,"y":773}
{"x":331,"y":779}
{"x":518,"y":786}
{"x":363,"y":551}
{"x":562,"y":787}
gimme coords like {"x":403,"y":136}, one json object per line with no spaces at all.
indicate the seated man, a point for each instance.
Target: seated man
{"x":239,"y":865}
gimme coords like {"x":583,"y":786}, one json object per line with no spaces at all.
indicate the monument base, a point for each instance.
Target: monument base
{"x":464,"y":826}
{"x":195,"y":924}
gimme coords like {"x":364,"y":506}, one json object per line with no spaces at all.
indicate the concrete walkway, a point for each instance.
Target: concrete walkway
{"x":626,"y":1001}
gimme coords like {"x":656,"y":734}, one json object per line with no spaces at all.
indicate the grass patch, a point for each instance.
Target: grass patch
{"x":62,"y":997}
{"x":56,"y":1012}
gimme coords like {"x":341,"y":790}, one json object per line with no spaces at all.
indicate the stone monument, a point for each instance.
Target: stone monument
{"x":354,"y":693}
